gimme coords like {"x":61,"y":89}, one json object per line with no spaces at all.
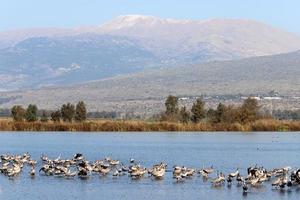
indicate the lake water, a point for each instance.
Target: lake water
{"x":225,"y":151}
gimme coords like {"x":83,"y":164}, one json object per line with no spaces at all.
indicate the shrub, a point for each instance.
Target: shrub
{"x":44,"y":117}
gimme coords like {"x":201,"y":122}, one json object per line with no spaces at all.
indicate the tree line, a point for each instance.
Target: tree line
{"x":286,"y":114}
{"x":249,"y":111}
{"x":67,"y":113}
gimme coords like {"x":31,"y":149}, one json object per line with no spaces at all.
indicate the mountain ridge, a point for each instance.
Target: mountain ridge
{"x":141,"y":90}
{"x":127,"y":44}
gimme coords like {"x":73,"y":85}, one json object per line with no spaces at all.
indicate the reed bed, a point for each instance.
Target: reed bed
{"x":144,"y":126}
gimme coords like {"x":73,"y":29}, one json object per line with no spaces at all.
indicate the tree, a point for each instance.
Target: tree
{"x":220,"y":113}
{"x":31,"y":113}
{"x":184,"y":115}
{"x":55,"y":116}
{"x":80,"y":112}
{"x":249,"y":111}
{"x":18,"y":113}
{"x":211,"y":115}
{"x":198,"y":111}
{"x":67,"y":112}
{"x":230,"y":115}
{"x":223,"y":114}
{"x":44,"y":117}
{"x":171,"y":105}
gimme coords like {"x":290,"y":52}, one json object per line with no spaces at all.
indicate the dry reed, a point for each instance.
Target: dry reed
{"x":139,"y":126}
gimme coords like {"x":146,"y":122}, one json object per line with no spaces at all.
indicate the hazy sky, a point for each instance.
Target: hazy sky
{"x":16,"y":14}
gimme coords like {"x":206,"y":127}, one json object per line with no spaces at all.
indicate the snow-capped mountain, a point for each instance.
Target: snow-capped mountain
{"x":49,"y":56}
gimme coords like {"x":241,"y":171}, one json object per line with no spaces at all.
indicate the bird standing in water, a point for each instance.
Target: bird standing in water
{"x":245,"y":188}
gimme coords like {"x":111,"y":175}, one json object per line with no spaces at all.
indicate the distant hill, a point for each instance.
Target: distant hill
{"x":43,"y":61}
{"x":247,"y":76}
{"x":34,"y":58}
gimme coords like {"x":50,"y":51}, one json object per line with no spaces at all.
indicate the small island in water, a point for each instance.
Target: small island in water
{"x":245,"y":117}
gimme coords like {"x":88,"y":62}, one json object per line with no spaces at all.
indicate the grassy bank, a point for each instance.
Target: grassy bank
{"x":111,"y":125}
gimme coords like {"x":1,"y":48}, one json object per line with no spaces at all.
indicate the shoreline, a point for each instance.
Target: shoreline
{"x":264,"y":125}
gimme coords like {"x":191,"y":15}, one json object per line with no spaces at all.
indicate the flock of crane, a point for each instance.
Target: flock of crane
{"x":12,"y":165}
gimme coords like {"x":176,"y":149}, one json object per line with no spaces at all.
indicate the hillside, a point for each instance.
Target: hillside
{"x":35,"y":58}
{"x":139,"y":90}
{"x":231,"y":38}
{"x":47,"y":61}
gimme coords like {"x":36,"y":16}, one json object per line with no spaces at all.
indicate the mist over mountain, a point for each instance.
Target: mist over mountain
{"x":36,"y":58}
